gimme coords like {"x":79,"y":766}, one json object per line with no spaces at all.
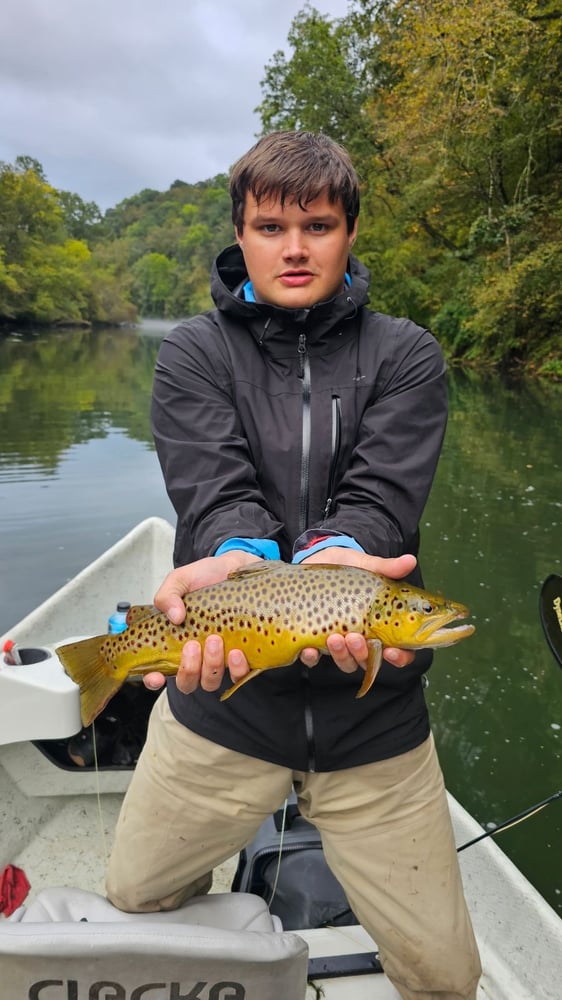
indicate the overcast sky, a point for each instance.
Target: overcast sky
{"x":113,"y":96}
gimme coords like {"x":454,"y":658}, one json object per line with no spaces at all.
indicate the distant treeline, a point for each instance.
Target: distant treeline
{"x":452,"y":111}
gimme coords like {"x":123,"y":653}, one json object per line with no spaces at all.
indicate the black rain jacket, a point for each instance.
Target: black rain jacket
{"x":271,"y":421}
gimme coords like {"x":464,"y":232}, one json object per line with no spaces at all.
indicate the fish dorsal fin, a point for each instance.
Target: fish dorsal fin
{"x":138,"y":612}
{"x":264,"y":566}
{"x":340,"y":566}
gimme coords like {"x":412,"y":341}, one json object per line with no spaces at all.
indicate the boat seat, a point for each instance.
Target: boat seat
{"x":225,"y":946}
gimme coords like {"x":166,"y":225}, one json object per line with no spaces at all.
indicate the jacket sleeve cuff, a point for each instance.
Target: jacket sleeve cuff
{"x":326,"y":542}
{"x":265,"y":548}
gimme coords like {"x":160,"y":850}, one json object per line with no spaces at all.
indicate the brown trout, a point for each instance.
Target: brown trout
{"x":271,"y":611}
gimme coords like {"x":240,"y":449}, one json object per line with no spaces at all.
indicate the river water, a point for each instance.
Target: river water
{"x":78,"y":469}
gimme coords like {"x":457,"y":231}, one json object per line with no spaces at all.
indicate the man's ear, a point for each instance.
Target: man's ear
{"x":238,"y":235}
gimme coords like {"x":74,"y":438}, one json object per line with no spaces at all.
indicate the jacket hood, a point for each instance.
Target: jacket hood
{"x":229,"y":275}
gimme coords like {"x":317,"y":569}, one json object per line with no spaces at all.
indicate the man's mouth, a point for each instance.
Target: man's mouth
{"x":296,"y":277}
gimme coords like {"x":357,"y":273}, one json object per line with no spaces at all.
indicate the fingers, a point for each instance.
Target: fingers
{"x":206,"y":668}
{"x":398,"y":657}
{"x":309,"y":656}
{"x":348,"y":652}
{"x":237,"y":665}
{"x":351,"y":651}
{"x":203,"y":668}
{"x":154,"y":680}
{"x":395,"y":567}
{"x":193,"y":576}
{"x":169,"y":597}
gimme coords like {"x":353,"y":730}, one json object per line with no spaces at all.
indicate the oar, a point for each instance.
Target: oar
{"x":550,"y":612}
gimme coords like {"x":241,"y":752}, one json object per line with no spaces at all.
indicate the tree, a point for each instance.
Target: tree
{"x":82,"y":219}
{"x":153,"y":283}
{"x":29,"y":208}
{"x":319,"y":86}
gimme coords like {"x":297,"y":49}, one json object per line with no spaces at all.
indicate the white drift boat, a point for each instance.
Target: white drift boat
{"x":56,"y":824}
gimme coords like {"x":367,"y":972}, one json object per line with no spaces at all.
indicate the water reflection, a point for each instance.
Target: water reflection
{"x":492,"y":533}
{"x":78,"y":469}
{"x":77,"y":463}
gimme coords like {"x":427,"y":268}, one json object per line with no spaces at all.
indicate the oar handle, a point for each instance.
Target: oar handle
{"x":550,"y":611}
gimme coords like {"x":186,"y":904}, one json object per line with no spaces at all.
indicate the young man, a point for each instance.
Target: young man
{"x":292,"y":422}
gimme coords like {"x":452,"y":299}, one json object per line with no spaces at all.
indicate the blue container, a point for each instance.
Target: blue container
{"x":117,"y":622}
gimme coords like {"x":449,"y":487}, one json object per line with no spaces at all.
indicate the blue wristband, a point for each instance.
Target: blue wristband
{"x":265,"y":548}
{"x":341,"y":541}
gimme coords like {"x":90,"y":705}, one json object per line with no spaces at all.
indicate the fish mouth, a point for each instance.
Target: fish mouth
{"x":438,"y":630}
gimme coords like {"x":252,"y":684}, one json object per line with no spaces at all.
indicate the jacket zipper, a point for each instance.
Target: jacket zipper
{"x":335,"y":454}
{"x":304,"y":370}
{"x":304,"y":373}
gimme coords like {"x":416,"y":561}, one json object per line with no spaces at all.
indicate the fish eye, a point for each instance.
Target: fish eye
{"x":427,"y":607}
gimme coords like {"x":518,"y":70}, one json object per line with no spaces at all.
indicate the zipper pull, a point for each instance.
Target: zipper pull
{"x":301,"y":351}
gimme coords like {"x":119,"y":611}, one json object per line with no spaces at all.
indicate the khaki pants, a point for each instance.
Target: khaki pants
{"x":385,"y":829}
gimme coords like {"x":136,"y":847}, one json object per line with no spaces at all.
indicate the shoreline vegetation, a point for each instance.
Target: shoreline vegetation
{"x":451,"y":111}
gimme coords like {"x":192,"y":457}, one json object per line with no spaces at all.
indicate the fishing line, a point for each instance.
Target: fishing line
{"x":98,"y":795}
{"x":280,"y":854}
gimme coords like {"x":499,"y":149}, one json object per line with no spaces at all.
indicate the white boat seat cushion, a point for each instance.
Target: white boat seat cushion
{"x":48,"y":950}
{"x":239,"y":911}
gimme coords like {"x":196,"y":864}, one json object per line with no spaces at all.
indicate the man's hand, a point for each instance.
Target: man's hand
{"x":195,"y":669}
{"x":207,"y":669}
{"x":350,"y":651}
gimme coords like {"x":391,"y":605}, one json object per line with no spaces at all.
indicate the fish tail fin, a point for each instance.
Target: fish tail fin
{"x":85,"y":665}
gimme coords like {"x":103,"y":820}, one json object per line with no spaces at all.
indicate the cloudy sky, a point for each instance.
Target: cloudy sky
{"x":113,"y":96}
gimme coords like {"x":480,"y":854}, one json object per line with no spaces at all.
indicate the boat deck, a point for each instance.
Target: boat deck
{"x":55,"y":826}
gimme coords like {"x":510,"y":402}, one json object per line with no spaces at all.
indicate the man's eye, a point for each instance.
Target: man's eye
{"x":318,"y":227}
{"x":270,"y":227}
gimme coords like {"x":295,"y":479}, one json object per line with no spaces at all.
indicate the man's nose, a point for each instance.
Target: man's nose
{"x":295,"y":244}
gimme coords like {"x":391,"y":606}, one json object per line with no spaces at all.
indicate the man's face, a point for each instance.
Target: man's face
{"x":295,"y":257}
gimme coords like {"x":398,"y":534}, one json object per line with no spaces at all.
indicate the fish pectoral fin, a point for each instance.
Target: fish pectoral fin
{"x":243,"y":680}
{"x":374,"y":661}
{"x":162,"y":666}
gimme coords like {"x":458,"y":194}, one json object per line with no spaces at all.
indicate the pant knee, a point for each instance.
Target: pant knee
{"x":139,"y":898}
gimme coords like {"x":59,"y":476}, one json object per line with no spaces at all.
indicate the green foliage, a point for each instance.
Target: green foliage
{"x":452,"y":111}
{"x":47,"y":274}
{"x":154,"y":282}
{"x":61,"y":261}
{"x":168,"y":241}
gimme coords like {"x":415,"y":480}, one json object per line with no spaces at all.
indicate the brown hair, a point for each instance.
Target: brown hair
{"x":295,"y":166}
